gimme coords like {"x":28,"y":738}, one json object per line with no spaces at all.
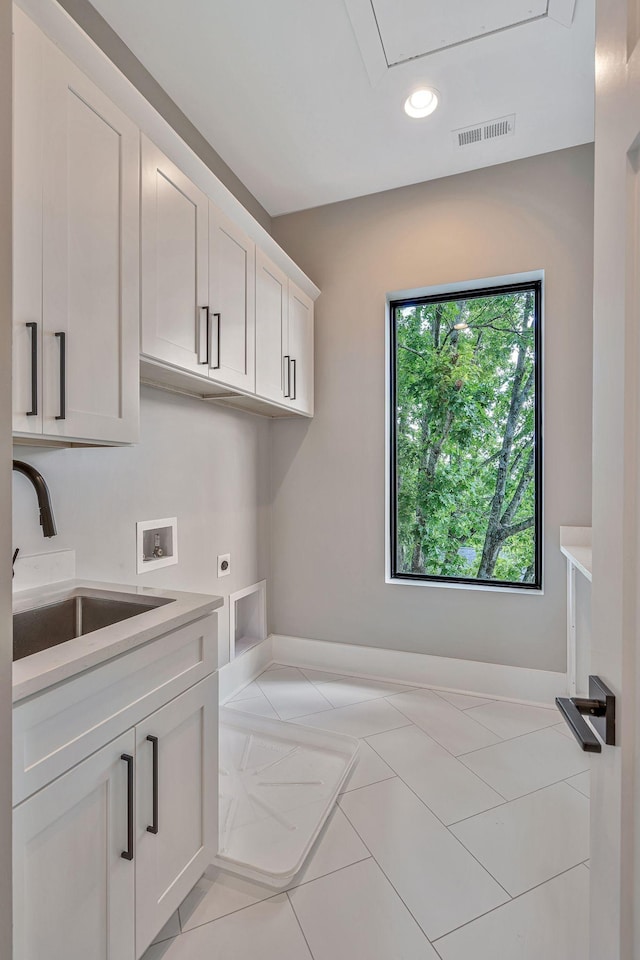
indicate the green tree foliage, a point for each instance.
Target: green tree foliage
{"x":465,"y":429}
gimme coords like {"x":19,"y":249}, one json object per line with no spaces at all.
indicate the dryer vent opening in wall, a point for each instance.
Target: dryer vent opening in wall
{"x":490,"y":130}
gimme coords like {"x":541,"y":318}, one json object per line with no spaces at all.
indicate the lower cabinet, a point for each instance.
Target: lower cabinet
{"x":105,"y":854}
{"x":74,"y":893}
{"x":176,"y":797}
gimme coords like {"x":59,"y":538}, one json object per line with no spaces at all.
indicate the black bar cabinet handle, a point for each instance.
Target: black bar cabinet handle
{"x":63,"y":375}
{"x":128,"y":853}
{"x":216,"y":365}
{"x":33,"y":327}
{"x":154,"y":826}
{"x":578,"y":725}
{"x":294,"y":394}
{"x":206,"y":336}
{"x":287,"y":360}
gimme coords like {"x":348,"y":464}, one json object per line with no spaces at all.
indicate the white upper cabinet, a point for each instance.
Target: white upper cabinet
{"x":232,"y":278}
{"x":76,"y":189}
{"x":175,"y":268}
{"x":299,"y":350}
{"x":90,"y":260}
{"x":27,"y":225}
{"x":284,"y":339}
{"x":124,"y":259}
{"x":272,"y":304}
{"x":198,"y":279}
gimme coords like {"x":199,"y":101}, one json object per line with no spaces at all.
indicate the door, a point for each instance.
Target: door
{"x":272,"y":304}
{"x":73,"y":889}
{"x":177,"y":796}
{"x":27,"y":225}
{"x":91,"y":259}
{"x":175,"y":244}
{"x":615,"y":789}
{"x":232,"y":279}
{"x":299,"y":382}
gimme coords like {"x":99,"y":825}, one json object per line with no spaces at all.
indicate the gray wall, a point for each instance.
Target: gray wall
{"x":5,"y":487}
{"x":328,"y":532}
{"x":108,"y":40}
{"x":206,"y":465}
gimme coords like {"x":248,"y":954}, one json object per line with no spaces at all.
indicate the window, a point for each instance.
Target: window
{"x":465,"y":433}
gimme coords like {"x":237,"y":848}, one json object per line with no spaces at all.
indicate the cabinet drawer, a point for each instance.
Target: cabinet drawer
{"x":58,"y":728}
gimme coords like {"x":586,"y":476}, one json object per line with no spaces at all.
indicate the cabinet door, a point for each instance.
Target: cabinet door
{"x":27,"y":225}
{"x":271,"y":327}
{"x":73,"y":890}
{"x":177,"y":797}
{"x":91,"y":260}
{"x":299,"y":385}
{"x":231,"y":302}
{"x":175,"y":267}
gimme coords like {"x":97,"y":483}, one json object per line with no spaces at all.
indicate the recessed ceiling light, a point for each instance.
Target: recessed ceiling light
{"x":421,"y":103}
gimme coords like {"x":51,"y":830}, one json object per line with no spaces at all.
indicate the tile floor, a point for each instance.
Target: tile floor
{"x":462,"y":832}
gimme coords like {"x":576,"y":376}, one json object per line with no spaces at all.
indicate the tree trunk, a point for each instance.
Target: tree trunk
{"x":499,"y":527}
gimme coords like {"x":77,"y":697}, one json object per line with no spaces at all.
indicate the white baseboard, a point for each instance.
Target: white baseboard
{"x":494,"y":680}
{"x":245,"y":668}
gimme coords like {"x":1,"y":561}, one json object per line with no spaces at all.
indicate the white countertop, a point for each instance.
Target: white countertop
{"x":47,"y":667}
{"x":575,"y":544}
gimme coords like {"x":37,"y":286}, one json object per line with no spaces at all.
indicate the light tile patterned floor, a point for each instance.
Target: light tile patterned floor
{"x":462,"y":832}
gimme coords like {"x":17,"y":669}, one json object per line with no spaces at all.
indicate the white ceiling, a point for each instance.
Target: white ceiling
{"x":303,"y":98}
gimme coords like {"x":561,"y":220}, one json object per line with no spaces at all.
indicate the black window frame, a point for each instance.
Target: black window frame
{"x":466,"y":294}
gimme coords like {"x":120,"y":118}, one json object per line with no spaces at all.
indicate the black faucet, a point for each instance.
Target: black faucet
{"x":42,"y":492}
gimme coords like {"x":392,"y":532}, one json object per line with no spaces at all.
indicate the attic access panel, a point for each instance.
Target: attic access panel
{"x":414,"y":28}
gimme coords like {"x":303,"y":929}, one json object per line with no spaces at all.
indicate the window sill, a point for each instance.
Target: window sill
{"x":442,"y":585}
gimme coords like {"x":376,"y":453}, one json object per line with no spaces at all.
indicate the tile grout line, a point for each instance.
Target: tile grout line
{"x":577,"y":789}
{"x":363,"y":786}
{"x":266,"y":696}
{"x":439,"y":691}
{"x":413,"y":688}
{"x":500,"y":739}
{"x":512,"y":900}
{"x":523,"y":705}
{"x":455,"y":823}
{"x":451,"y":834}
{"x":300,"y":925}
{"x":390,"y":882}
{"x":247,"y":906}
{"x":457,"y":757}
{"x":273,"y":706}
{"x":409,"y":689}
{"x":279,"y":893}
{"x":453,"y":757}
{"x":304,"y":680}
{"x":530,"y":793}
{"x":348,"y":706}
{"x":518,"y":736}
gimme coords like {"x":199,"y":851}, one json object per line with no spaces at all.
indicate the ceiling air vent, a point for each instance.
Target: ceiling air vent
{"x":470,"y":135}
{"x":491,"y":130}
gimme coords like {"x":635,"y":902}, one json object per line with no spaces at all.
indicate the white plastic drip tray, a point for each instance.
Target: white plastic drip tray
{"x":278,"y":783}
